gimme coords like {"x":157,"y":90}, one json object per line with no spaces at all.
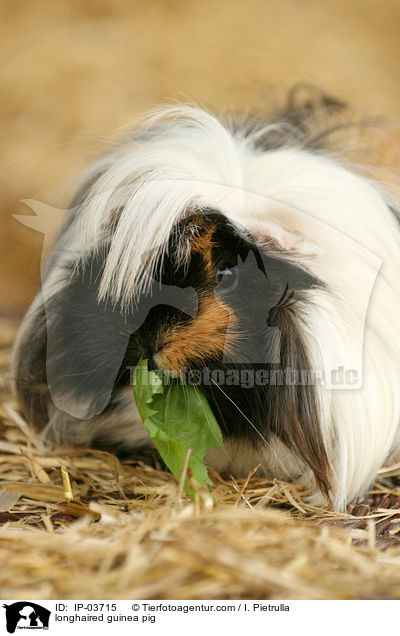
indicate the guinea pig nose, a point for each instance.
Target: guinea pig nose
{"x":151,"y":365}
{"x":148,"y":349}
{"x":145,"y":349}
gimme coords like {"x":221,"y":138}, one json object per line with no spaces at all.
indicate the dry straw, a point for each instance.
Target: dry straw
{"x":79,"y":524}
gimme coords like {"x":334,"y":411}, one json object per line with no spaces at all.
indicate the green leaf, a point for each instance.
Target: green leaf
{"x":177,"y":417}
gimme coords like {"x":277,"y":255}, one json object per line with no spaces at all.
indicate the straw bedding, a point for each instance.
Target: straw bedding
{"x":79,"y":524}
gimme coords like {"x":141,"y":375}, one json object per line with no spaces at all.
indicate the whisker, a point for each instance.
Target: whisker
{"x":204,"y":411}
{"x":241,"y":412}
{"x":208,"y":421}
{"x":219,"y":410}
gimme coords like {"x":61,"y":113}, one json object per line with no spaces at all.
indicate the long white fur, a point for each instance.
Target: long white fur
{"x":333,"y":220}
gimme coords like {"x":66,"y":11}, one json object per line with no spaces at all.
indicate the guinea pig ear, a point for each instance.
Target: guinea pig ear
{"x":270,"y":237}
{"x":87,"y":339}
{"x":305,"y":102}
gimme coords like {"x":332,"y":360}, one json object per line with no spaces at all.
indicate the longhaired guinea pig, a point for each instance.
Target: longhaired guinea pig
{"x":243,"y":254}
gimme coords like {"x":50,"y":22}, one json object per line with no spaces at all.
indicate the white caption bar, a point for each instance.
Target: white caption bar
{"x":183,"y":617}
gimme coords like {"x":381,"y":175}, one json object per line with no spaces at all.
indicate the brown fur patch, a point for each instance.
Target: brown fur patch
{"x":203,"y":243}
{"x":210,"y":333}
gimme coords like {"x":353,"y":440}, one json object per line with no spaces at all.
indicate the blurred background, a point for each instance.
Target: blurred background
{"x":74,"y":72}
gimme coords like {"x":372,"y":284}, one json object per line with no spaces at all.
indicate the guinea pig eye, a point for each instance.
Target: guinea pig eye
{"x":226,"y":276}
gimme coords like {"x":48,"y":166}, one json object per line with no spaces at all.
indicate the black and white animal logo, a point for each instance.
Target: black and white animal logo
{"x":26,"y":615}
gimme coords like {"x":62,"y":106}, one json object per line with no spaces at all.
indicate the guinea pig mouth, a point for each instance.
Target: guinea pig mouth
{"x":167,"y":361}
{"x":157,"y":360}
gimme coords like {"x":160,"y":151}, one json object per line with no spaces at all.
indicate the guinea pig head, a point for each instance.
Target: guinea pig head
{"x":252,"y":306}
{"x":246,"y":297}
